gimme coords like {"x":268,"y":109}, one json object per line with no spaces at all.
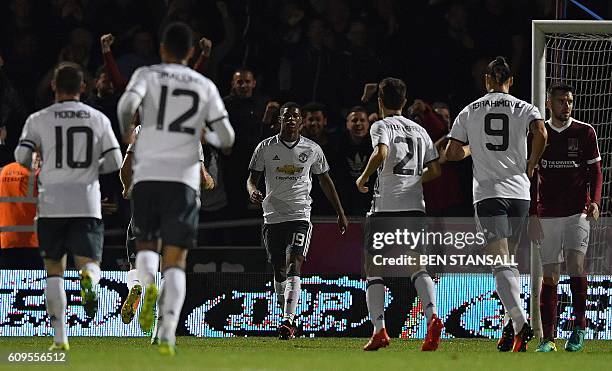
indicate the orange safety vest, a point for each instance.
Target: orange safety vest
{"x":14,"y":183}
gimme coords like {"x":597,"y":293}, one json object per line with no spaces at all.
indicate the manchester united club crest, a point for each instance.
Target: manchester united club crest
{"x":572,"y":147}
{"x":303,"y":157}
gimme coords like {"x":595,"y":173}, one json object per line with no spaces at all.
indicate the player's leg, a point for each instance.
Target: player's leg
{"x":276,"y":257}
{"x":375,"y":288}
{"x":493,"y":219}
{"x":130,"y":305}
{"x":551,"y":256}
{"x":51,"y":233}
{"x":427,"y":294}
{"x":298,"y":234}
{"x":179,"y":225}
{"x":576,"y":240}
{"x":146,"y":226}
{"x":85,"y":240}
{"x":172,"y":296}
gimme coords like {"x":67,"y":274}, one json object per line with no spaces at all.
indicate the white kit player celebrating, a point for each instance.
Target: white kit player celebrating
{"x":132,"y":301}
{"x":494,"y":129}
{"x":405,"y":158}
{"x":566,"y":194}
{"x":289,"y":160}
{"x":77,"y":144}
{"x":175,"y":104}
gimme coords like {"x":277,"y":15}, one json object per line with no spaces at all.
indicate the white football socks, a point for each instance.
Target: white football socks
{"x":55,"y":296}
{"x":509,"y":293}
{"x":375,"y":299}
{"x":293,"y":289}
{"x":279,"y":289}
{"x":132,"y":279}
{"x":427,"y":293}
{"x":173,"y":294}
{"x":147,"y":265}
{"x":94,"y":272}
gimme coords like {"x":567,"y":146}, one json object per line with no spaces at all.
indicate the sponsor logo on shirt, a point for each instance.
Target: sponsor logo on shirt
{"x":558,"y":164}
{"x":290,"y":169}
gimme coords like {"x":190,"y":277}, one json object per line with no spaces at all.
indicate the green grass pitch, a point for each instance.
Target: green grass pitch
{"x":302,"y":354}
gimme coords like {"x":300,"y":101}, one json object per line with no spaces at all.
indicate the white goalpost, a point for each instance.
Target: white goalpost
{"x":578,"y":53}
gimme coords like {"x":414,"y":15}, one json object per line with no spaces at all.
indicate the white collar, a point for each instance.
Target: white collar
{"x":559,"y":130}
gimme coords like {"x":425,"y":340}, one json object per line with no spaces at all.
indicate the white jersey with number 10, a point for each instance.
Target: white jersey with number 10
{"x":398,"y":186}
{"x":496,"y":127}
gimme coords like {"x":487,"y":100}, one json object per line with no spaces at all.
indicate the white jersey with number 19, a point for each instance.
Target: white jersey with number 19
{"x":176,"y":104}
{"x":398,"y":186}
{"x":496,"y":127}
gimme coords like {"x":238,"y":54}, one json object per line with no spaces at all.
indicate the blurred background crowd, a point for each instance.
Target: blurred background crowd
{"x":319,"y":53}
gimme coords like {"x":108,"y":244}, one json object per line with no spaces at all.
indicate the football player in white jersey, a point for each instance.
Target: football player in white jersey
{"x":289,"y":160}
{"x":405,"y":158}
{"x":132,"y":301}
{"x":494,"y":130}
{"x":175,"y":104}
{"x":77,"y":144}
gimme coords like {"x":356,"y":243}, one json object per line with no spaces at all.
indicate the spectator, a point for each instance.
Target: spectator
{"x":142,"y":52}
{"x":307,"y":72}
{"x":359,"y":63}
{"x":12,"y":113}
{"x":315,"y":129}
{"x":439,"y":200}
{"x":354,"y":147}
{"x":18,"y":238}
{"x":245,"y":109}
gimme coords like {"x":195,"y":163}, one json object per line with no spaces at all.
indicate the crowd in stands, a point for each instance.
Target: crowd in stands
{"x":261,"y":53}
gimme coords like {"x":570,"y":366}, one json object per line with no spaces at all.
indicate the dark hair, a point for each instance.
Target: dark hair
{"x":68,"y":77}
{"x":242,"y":70}
{"x":440,"y":105}
{"x":559,"y":87}
{"x":290,"y":105}
{"x":392,"y":92}
{"x":356,"y":109}
{"x":177,"y":39}
{"x":99,"y":71}
{"x":314,"y":107}
{"x":499,"y":70}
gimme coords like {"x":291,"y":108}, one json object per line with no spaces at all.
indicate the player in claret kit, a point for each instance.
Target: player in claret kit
{"x":405,"y":158}
{"x":77,"y":144}
{"x":566,"y":194}
{"x":175,"y":104}
{"x":494,"y":130}
{"x":289,"y":160}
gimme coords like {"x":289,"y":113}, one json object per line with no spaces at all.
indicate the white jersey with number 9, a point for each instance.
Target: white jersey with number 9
{"x":496,"y":127}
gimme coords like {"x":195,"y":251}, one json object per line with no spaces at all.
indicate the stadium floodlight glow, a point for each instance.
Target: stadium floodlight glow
{"x":580,"y":54}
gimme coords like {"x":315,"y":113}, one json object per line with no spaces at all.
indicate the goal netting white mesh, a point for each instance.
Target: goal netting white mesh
{"x":584,"y":61}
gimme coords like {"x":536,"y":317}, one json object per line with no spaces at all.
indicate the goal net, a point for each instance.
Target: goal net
{"x":578,"y":53}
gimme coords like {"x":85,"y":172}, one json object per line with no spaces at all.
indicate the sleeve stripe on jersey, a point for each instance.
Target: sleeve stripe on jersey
{"x":28,"y":143}
{"x":430,"y":161}
{"x":457,"y":140}
{"x":589,"y":162}
{"x":215,"y":120}
{"x":135,"y":92}
{"x":108,"y":150}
